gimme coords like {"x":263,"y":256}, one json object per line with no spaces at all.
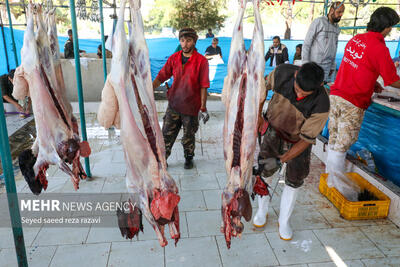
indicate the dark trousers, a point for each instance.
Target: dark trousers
{"x":297,"y":169}
{"x":173,"y":121}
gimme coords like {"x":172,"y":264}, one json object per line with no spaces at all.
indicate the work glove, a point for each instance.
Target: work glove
{"x":203,"y":115}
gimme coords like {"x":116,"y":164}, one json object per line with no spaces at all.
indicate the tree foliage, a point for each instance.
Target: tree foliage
{"x":198,"y":14}
{"x":159,"y":16}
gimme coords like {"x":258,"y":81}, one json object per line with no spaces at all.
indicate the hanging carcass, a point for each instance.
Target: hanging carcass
{"x":244,"y":89}
{"x":56,"y":141}
{"x":128,"y":103}
{"x":55,"y":52}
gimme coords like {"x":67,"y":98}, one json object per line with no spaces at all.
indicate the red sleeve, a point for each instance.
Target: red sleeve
{"x":166,"y":72}
{"x":386,"y":67}
{"x":204,"y":78}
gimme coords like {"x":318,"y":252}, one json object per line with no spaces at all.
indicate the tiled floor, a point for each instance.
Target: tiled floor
{"x":15,"y":122}
{"x":321,"y":237}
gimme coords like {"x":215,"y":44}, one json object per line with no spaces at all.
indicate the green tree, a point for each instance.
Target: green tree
{"x":159,"y":16}
{"x":198,"y":14}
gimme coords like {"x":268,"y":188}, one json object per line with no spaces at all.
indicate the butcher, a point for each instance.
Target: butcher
{"x":295,"y":116}
{"x":187,"y":96}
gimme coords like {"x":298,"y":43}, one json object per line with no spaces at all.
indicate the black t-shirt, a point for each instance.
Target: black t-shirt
{"x":184,"y":59}
{"x":211,"y":51}
{"x":6,"y":86}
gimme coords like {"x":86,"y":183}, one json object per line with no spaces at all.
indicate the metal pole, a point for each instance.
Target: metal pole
{"x":12,"y":196}
{"x":12,"y":34}
{"x":362,"y":27}
{"x":4,"y":43}
{"x":79,"y":80}
{"x":103,"y":43}
{"x":326,"y":7}
{"x":355,"y":22}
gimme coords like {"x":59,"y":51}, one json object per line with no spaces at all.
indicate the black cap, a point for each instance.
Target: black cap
{"x":188,"y":32}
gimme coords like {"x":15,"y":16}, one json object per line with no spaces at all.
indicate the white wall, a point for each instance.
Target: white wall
{"x":92,"y":78}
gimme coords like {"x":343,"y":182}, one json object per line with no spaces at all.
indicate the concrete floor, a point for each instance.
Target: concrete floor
{"x":321,"y":237}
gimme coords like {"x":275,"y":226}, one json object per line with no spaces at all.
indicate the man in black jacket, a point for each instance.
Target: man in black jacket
{"x":277,"y":52}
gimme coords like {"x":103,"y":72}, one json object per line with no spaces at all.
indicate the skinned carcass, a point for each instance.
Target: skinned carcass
{"x":55,"y":52}
{"x":244,"y":89}
{"x":128,"y":103}
{"x":56,"y":142}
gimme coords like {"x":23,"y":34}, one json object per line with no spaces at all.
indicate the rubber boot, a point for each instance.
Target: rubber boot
{"x":335,"y":165}
{"x":337,"y":178}
{"x":288,"y":201}
{"x":188,"y":163}
{"x":260,"y":219}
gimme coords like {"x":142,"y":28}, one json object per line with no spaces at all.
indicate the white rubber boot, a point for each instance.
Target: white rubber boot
{"x":288,"y":201}
{"x":260,"y":219}
{"x":335,"y":165}
{"x":337,"y":178}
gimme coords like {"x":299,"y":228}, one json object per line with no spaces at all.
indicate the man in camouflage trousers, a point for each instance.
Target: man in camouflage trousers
{"x":173,"y":121}
{"x":187,"y":96}
{"x":365,"y":58}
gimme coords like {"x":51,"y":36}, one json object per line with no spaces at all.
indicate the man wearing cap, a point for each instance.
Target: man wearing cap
{"x":320,"y":44}
{"x":187,"y":96}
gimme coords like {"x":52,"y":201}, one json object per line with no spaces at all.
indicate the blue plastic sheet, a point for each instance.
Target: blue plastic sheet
{"x":19,"y":40}
{"x":380,"y":130}
{"x":161,"y":48}
{"x":380,"y":134}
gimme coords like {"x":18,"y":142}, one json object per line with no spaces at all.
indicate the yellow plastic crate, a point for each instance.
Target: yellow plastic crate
{"x":356,"y":210}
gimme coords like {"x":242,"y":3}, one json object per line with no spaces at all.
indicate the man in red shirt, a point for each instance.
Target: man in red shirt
{"x":365,"y":58}
{"x":187,"y":96}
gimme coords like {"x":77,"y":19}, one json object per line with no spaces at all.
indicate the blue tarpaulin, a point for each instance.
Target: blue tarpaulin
{"x":379,"y":132}
{"x":161,"y":48}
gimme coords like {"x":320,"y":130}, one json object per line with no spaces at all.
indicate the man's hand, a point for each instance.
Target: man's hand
{"x":378,"y":88}
{"x":156,"y":83}
{"x":296,"y":150}
{"x":284,"y":158}
{"x":260,"y":123}
{"x":203,"y":115}
{"x":20,"y":108}
{"x":396,"y":64}
{"x":14,"y":103}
